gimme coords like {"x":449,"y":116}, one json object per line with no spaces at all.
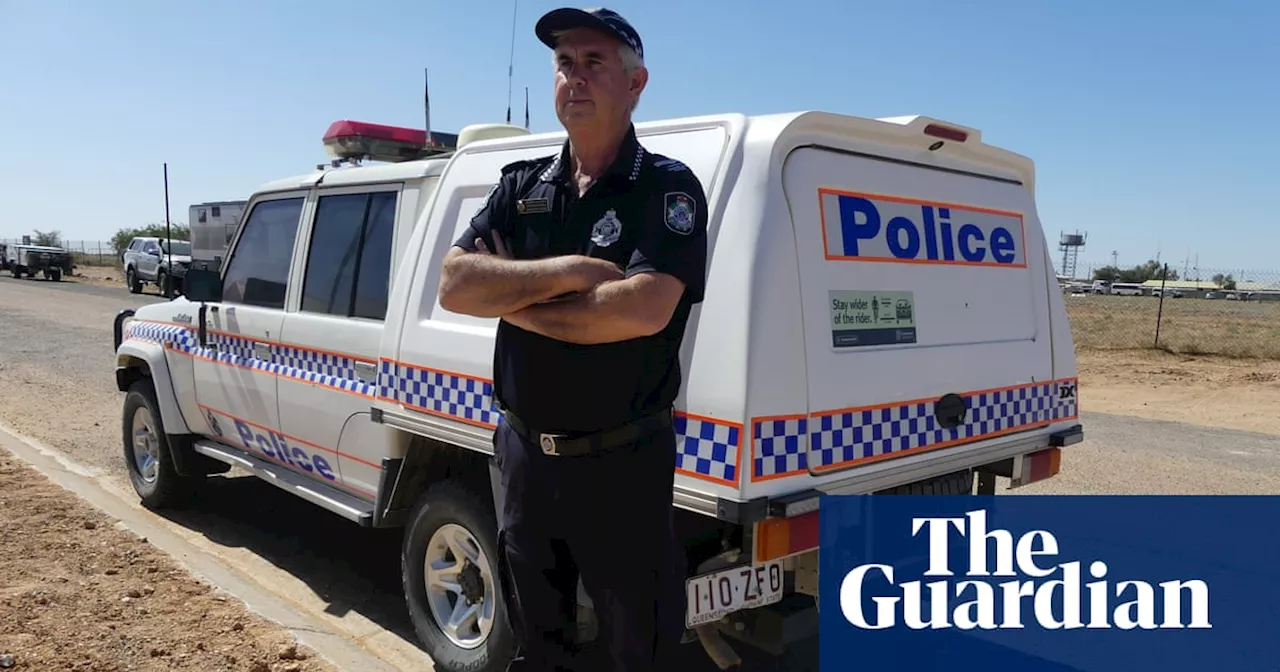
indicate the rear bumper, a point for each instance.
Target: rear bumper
{"x":986,"y":457}
{"x":791,"y":625}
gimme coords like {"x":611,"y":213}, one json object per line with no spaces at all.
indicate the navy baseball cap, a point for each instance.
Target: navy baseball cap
{"x":599,"y":18}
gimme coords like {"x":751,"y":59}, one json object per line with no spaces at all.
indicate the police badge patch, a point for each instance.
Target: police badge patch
{"x":607,"y":229}
{"x":680,"y":211}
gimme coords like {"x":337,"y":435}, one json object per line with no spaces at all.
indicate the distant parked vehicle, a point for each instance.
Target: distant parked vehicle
{"x":51,"y":262}
{"x":147,"y":259}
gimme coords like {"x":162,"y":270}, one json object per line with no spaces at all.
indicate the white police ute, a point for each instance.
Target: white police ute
{"x":881,"y":316}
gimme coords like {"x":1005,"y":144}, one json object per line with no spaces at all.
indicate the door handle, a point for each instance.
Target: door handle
{"x":262,"y":351}
{"x":367,"y":371}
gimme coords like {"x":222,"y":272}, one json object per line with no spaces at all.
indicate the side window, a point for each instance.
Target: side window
{"x":373,"y":283}
{"x":258,"y":270}
{"x":349,"y":258}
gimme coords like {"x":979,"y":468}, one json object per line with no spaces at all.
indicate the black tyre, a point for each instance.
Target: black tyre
{"x":452,"y":535}
{"x":131,"y":281}
{"x":147,"y":455}
{"x":165,"y":284}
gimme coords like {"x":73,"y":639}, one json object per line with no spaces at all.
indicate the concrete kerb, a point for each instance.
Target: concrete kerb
{"x":339,"y":645}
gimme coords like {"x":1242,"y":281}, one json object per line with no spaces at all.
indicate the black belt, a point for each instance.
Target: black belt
{"x":567,"y":445}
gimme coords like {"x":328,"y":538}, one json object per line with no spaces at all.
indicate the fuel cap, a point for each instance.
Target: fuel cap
{"x":950,"y":410}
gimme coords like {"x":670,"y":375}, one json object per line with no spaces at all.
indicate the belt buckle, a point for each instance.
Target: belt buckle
{"x":548,"y":443}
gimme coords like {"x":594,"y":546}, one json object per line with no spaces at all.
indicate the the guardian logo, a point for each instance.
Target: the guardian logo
{"x":1030,"y":589}
{"x":868,"y":227}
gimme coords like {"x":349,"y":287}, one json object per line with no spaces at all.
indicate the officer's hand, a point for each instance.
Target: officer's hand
{"x":500,"y":247}
{"x":592,"y":271}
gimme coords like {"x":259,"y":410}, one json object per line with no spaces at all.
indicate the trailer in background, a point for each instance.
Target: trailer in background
{"x":51,"y":262}
{"x":212,"y":226}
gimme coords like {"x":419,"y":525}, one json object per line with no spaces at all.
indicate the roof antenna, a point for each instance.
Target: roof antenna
{"x":426,"y":105}
{"x":526,"y":107}
{"x":512,"y":61}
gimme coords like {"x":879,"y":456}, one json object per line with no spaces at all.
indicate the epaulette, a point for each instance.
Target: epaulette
{"x":537,"y":163}
{"x":667,"y":164}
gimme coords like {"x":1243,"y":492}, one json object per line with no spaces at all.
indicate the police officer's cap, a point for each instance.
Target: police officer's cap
{"x":599,"y":18}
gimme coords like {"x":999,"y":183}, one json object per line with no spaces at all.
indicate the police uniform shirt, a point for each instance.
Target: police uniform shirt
{"x":646,"y":213}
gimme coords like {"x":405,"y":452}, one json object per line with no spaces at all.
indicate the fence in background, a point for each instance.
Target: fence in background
{"x":85,"y":252}
{"x":1238,"y":319}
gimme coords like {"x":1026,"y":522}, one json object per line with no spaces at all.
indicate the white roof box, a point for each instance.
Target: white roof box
{"x":474,"y":132}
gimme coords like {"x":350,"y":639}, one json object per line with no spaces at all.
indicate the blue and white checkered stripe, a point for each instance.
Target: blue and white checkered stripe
{"x":469,"y":399}
{"x":1066,"y":393}
{"x":707,"y":448}
{"x":297,"y":363}
{"x":180,"y":338}
{"x":387,"y":373}
{"x":321,"y":367}
{"x":703,"y":447}
{"x":861,"y":434}
{"x":779,"y":446}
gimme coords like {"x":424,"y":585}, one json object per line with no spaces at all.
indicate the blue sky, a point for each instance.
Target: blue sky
{"x":1153,"y":124}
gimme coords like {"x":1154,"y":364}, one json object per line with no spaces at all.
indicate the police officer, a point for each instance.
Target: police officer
{"x":593,"y":258}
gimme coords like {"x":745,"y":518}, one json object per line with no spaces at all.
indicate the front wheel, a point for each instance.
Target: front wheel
{"x":449,"y":568}
{"x":147,"y":453}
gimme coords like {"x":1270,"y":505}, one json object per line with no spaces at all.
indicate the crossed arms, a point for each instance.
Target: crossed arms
{"x":604,"y":306}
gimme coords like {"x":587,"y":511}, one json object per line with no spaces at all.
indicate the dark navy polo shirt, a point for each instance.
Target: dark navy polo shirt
{"x":646,"y":213}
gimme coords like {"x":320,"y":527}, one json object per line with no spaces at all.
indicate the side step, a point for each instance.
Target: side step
{"x":336,"y":501}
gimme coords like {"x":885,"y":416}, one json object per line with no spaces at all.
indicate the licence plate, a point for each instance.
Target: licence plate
{"x":711,"y":596}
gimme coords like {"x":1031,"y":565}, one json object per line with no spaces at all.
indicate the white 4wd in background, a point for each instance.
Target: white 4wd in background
{"x":148,"y":260}
{"x":881,"y":316}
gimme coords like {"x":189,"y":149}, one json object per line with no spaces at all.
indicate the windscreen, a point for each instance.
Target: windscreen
{"x":177,"y":247}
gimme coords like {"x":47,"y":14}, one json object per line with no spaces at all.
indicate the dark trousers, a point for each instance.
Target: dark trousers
{"x":606,"y":517}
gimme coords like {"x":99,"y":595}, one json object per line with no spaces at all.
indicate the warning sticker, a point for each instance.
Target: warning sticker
{"x":871,"y":318}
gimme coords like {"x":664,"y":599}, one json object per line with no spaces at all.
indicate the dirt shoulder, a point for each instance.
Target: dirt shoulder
{"x":80,"y":593}
{"x":103,"y":276}
{"x":1198,"y":389}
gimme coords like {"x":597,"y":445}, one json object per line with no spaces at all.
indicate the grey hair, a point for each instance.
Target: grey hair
{"x":630,"y":59}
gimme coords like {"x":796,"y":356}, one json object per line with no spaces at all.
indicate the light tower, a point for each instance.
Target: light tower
{"x":1070,"y":244}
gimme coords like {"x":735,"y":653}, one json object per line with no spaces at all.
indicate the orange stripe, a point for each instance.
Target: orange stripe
{"x":267,"y":341}
{"x":943,"y":262}
{"x":920,"y":201}
{"x":775,"y":418}
{"x":278,"y":461}
{"x":281,"y":376}
{"x":772,"y":477}
{"x":478,"y":379}
{"x":709,"y":479}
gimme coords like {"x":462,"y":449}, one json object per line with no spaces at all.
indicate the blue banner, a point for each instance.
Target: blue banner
{"x":1050,"y":583}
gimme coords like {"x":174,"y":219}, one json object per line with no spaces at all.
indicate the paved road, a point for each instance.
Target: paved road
{"x":1130,"y":456}
{"x":56,"y":373}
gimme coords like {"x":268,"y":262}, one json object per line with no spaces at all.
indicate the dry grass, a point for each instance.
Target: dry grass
{"x":1249,"y":329}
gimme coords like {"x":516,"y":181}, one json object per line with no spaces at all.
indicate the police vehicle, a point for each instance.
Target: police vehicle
{"x":881,"y":316}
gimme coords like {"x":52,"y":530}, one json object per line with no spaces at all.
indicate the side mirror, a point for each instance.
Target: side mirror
{"x":203,"y":284}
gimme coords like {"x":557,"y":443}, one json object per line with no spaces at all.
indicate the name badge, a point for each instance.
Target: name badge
{"x":533,"y":206}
